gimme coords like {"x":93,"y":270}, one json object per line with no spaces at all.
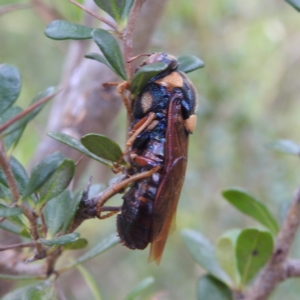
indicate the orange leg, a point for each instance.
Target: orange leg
{"x":121,"y":88}
{"x":117,"y":187}
{"x":137,"y":129}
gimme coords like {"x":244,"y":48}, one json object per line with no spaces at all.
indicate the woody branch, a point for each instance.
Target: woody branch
{"x":279,"y":267}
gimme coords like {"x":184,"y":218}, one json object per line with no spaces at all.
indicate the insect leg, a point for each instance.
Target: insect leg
{"x":139,"y":128}
{"x":121,"y":88}
{"x":117,"y":187}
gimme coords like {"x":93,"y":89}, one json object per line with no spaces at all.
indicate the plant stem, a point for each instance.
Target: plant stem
{"x":26,"y":112}
{"x":107,"y":22}
{"x":127,"y":36}
{"x":4,"y":163}
{"x":279,"y":266}
{"x":17,"y":246}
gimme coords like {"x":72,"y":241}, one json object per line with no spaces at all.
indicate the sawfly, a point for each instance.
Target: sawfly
{"x":162,"y":116}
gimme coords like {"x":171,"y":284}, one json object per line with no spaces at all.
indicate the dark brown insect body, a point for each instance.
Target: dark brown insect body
{"x":150,"y":204}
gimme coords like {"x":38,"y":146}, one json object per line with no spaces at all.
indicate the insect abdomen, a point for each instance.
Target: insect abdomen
{"x":134,"y":222}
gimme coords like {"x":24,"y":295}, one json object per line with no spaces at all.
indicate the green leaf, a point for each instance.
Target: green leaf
{"x":58,"y":181}
{"x":225,"y":250}
{"x":90,"y":282}
{"x":102,"y":146}
{"x":41,"y":172}
{"x":111,"y":50}
{"x":284,"y":146}
{"x":5,"y":192}
{"x":79,"y":244}
{"x":189,"y":63}
{"x":113,"y":7}
{"x":127,"y":8}
{"x":139,"y":288}
{"x":71,"y":211}
{"x":209,"y":287}
{"x":252,"y":207}
{"x":101,"y":247}
{"x":7,"y":225}
{"x":38,"y":291}
{"x":294,"y":3}
{"x":19,"y":173}
{"x":21,"y":123}
{"x":13,"y":215}
{"x":100,"y":58}
{"x":144,"y":74}
{"x":61,"y":240}
{"x":10,"y":86}
{"x":10,"y":211}
{"x":72,"y":142}
{"x":203,"y":252}
{"x":57,"y":212}
{"x":64,"y":30}
{"x":10,"y":139}
{"x":253,"y":250}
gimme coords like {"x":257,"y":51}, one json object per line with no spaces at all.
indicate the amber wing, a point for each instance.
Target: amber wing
{"x":173,"y":176}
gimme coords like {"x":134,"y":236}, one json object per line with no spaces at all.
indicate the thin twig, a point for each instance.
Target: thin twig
{"x":279,"y":267}
{"x":104,"y":20}
{"x":26,"y":112}
{"x":5,"y":165}
{"x":44,"y":226}
{"x":46,"y":12}
{"x":127,"y":36}
{"x":17,"y":246}
{"x":13,"y":7}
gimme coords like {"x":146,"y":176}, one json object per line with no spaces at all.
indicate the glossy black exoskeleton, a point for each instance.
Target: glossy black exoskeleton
{"x":150,"y":204}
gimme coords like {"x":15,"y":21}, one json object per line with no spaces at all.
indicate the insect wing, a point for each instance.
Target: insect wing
{"x":172,"y":180}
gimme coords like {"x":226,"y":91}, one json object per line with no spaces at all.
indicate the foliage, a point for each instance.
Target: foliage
{"x":231,"y":264}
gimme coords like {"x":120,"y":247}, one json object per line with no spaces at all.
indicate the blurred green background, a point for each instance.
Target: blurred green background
{"x":248,"y":93}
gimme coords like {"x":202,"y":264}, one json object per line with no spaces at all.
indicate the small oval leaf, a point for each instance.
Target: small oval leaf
{"x":79,"y":244}
{"x":189,"y":63}
{"x":252,"y":207}
{"x":111,"y":50}
{"x":144,"y":74}
{"x":209,"y":287}
{"x":14,"y":228}
{"x":41,"y":172}
{"x":19,"y":173}
{"x":113,"y":7}
{"x":101,"y":247}
{"x":38,"y":291}
{"x":253,"y":250}
{"x":225,"y":250}
{"x":58,"y":181}
{"x":91,"y":282}
{"x":10,"y":139}
{"x":203,"y":252}
{"x":10,"y":86}
{"x":294,"y":3}
{"x":284,"y":146}
{"x":139,"y":288}
{"x":72,"y":142}
{"x":22,"y":122}
{"x":100,"y":58}
{"x":10,"y":211}
{"x":64,"y":30}
{"x":102,"y":146}
{"x":61,"y":240}
{"x":127,"y":8}
{"x":57,"y":213}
